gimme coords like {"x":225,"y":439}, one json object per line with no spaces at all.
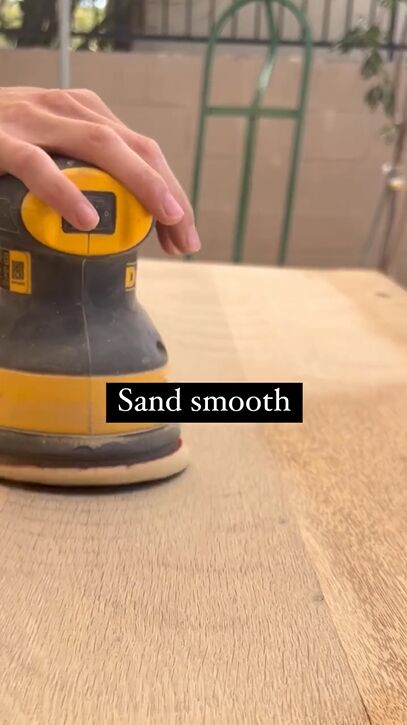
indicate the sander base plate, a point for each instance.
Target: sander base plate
{"x":116,"y":475}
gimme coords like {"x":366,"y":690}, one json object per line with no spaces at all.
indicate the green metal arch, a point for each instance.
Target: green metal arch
{"x":253,"y":113}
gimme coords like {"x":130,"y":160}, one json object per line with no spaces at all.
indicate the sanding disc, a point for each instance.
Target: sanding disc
{"x":142,"y":472}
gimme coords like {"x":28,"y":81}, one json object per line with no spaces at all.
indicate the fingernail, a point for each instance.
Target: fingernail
{"x":87,"y":216}
{"x":193,"y":241}
{"x":172,"y":209}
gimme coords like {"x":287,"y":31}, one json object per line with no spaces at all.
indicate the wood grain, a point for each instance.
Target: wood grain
{"x":267,"y":583}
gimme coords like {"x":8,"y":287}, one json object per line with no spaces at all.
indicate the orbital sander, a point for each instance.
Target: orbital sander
{"x":70,"y":322}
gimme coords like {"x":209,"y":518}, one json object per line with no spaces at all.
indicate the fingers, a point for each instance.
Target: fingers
{"x":42,"y":177}
{"x":87,"y":106}
{"x":100,"y":145}
{"x":91,"y":101}
{"x":164,"y":236}
{"x":78,"y":123}
{"x":183,"y":234}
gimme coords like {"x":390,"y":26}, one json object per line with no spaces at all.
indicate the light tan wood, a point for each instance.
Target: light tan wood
{"x":268,"y":583}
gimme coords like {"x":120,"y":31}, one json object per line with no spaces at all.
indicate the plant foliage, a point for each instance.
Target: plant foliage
{"x":371,"y":41}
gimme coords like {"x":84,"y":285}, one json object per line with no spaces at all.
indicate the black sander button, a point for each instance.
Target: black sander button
{"x":105,"y":205}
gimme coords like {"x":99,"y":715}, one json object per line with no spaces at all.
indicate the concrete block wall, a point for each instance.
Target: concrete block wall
{"x":156,"y":92}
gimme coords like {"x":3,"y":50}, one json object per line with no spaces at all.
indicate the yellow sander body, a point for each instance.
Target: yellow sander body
{"x":70,"y":322}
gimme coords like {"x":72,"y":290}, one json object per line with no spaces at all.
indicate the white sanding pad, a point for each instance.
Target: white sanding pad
{"x":153,"y":470}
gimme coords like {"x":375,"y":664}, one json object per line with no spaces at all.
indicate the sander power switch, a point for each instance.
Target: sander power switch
{"x":105,"y":204}
{"x":123,"y":220}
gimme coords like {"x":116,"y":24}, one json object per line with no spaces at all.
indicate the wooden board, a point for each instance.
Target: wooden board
{"x":266,"y":584}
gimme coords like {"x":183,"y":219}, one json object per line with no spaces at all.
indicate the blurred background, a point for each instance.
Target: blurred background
{"x":145,"y":58}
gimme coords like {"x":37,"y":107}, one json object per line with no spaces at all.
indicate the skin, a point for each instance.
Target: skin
{"x":77,"y":123}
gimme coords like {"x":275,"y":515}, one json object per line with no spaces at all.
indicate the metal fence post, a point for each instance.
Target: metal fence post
{"x":64,"y":34}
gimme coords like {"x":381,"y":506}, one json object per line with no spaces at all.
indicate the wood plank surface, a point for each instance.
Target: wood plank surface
{"x":267,"y":584}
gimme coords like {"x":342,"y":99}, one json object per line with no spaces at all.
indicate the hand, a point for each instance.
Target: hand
{"x":77,"y":123}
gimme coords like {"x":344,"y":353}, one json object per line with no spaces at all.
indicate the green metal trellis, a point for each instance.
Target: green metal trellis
{"x":253,"y":113}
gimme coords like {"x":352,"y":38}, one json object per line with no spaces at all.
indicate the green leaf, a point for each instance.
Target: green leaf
{"x":371,"y":65}
{"x":388,"y":133}
{"x":354,"y":38}
{"x":374,"y":96}
{"x":373,"y":35}
{"x":390,"y":4}
{"x":388,"y":99}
